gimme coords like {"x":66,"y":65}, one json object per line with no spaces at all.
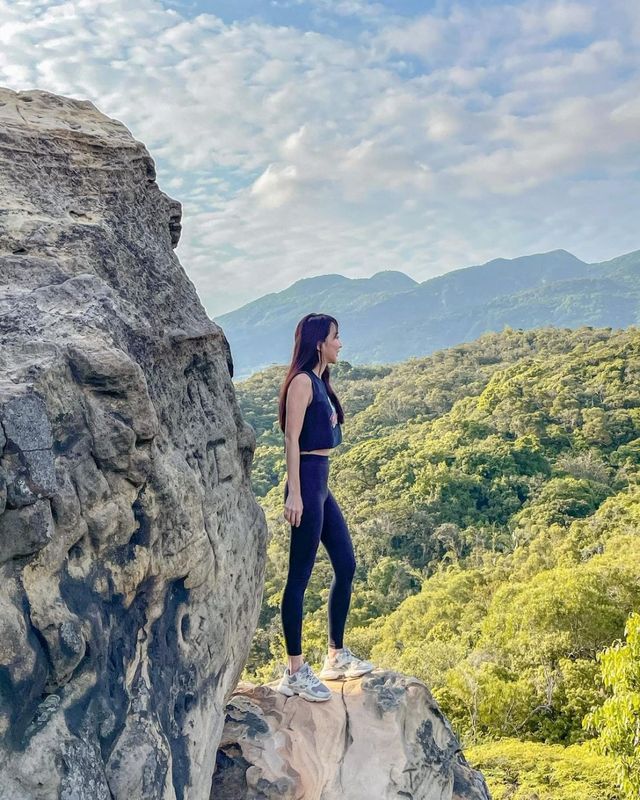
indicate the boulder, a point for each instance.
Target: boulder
{"x":132,"y":550}
{"x":379,"y":737}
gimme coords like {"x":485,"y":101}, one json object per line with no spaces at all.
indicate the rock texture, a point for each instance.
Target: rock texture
{"x":381,"y":737}
{"x":131,"y":547}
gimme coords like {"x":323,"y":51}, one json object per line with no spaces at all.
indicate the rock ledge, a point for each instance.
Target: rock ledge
{"x":380,"y":737}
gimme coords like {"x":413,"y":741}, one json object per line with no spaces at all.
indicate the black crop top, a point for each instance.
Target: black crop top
{"x":320,"y":429}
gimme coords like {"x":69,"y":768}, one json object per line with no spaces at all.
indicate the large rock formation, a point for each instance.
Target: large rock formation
{"x":131,"y":547}
{"x":381,"y":737}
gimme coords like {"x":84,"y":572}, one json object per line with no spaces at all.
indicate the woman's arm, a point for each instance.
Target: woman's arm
{"x":299,"y":396}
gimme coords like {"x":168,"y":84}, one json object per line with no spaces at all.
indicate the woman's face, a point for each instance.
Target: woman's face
{"x":331,"y":346}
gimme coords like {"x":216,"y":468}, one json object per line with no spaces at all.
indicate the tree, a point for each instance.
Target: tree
{"x":617,"y":721}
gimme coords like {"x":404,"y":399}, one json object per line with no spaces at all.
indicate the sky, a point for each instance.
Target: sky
{"x":307,"y":137}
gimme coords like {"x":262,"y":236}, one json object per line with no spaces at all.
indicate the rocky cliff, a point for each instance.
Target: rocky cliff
{"x":131,"y":547}
{"x":380,"y":737}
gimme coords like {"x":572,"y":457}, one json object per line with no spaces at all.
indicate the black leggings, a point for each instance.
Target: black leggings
{"x":322,"y":521}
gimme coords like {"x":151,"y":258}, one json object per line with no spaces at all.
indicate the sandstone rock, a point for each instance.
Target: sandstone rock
{"x":25,"y":530}
{"x":380,"y":737}
{"x":133,"y":548}
{"x":27,"y":450}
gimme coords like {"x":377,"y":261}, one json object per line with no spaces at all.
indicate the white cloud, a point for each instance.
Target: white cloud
{"x":558,"y":19}
{"x":296,"y":152}
{"x":363,"y":9}
{"x":422,"y":37}
{"x":573,"y":134}
{"x":442,"y":126}
{"x":276,"y":186}
{"x":564,"y":19}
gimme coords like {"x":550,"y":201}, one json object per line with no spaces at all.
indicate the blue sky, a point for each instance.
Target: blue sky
{"x":313,"y":136}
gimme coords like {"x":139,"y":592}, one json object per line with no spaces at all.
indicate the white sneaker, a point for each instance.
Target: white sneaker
{"x":344,"y":665}
{"x":304,"y":683}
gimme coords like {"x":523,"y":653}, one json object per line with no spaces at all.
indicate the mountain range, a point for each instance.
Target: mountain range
{"x":390,"y":317}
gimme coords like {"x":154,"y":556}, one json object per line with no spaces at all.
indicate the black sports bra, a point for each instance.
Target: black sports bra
{"x":320,"y":429}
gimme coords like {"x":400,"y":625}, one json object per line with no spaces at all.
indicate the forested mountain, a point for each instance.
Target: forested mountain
{"x":492,"y":491}
{"x":389,"y":317}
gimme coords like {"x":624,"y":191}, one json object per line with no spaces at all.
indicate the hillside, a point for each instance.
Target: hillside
{"x":389,"y":317}
{"x":491,"y":490}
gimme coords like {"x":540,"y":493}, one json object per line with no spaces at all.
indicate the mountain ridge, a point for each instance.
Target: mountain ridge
{"x":390,"y":317}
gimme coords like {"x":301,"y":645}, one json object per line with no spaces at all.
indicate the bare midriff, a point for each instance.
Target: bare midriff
{"x":315,"y":452}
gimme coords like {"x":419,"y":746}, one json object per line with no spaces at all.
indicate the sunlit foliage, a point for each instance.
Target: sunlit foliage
{"x":492,"y":491}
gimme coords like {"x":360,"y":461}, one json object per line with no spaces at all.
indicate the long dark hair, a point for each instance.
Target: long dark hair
{"x":311,"y":329}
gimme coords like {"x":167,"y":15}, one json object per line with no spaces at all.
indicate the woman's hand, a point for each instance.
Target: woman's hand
{"x":293,"y":509}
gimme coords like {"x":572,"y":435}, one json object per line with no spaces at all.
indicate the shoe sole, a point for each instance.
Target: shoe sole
{"x":287,"y":692}
{"x":332,"y":675}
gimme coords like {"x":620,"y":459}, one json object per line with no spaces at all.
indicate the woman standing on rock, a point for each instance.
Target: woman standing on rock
{"x":310,"y":415}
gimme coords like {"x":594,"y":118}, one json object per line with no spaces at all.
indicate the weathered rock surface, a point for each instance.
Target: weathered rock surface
{"x":131,"y":547}
{"x":380,"y":737}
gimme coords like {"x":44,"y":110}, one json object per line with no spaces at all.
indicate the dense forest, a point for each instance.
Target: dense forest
{"x":492,"y":492}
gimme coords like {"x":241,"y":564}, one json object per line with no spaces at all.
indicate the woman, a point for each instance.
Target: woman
{"x":310,"y":416}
